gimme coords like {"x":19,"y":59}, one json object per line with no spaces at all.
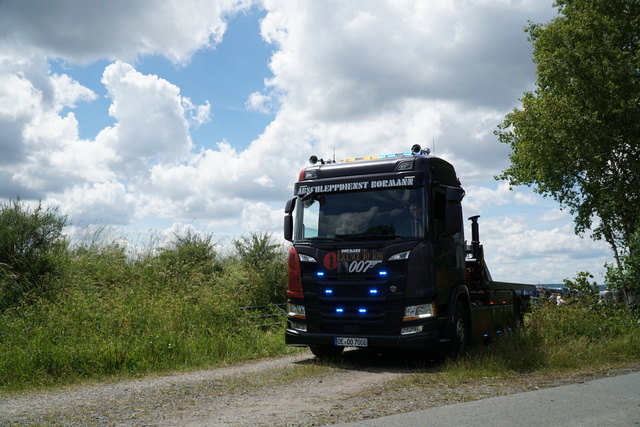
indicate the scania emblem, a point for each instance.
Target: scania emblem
{"x":393,"y":288}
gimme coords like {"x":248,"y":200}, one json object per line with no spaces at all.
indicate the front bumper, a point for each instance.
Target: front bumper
{"x":426,"y":340}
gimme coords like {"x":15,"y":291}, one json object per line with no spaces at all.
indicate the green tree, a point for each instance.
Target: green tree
{"x":587,"y":292}
{"x":29,"y":239}
{"x":576,"y":137}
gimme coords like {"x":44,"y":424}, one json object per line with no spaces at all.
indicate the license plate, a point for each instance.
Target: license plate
{"x":351,"y":342}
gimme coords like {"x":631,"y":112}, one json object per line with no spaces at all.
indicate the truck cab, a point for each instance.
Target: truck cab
{"x":378,"y":258}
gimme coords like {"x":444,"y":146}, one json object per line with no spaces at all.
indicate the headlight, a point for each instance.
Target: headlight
{"x":417,"y":312}
{"x":411,"y":330}
{"x":296,"y":310}
{"x":400,"y":256}
{"x":306,"y":258}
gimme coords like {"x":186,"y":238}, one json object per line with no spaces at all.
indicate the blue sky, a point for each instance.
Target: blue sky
{"x":199,"y":114}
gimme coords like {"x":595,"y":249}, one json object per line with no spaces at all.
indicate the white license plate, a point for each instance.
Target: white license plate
{"x":351,"y":342}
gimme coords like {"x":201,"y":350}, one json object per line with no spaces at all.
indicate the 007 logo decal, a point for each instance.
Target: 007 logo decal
{"x":362,"y":266}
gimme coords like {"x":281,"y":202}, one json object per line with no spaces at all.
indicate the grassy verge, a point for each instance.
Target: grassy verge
{"x":172,"y":308}
{"x":555,"y":341}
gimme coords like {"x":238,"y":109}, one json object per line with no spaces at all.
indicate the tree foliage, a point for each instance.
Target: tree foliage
{"x":576,"y":138}
{"x":587,"y":292}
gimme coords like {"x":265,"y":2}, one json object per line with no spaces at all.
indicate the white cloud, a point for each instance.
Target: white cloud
{"x":555,"y":215}
{"x":376,"y":77}
{"x":343,"y":59}
{"x":260,"y":102}
{"x":261,"y":217}
{"x":68,"y":92}
{"x":105,"y":203}
{"x":83,"y":32}
{"x":538,"y":256}
{"x":198,"y":114}
{"x":151,"y":123}
{"x":479,"y":198}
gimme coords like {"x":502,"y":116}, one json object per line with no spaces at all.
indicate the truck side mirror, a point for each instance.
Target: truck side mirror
{"x":453,"y":209}
{"x":288,"y":219}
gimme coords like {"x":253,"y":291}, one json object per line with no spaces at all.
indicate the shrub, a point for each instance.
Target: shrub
{"x":586,"y":293}
{"x":263,"y":264}
{"x":30,"y":239}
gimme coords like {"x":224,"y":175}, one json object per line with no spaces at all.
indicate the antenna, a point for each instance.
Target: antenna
{"x":334,"y":154}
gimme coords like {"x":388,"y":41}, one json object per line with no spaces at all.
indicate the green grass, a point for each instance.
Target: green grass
{"x":555,"y":339}
{"x":175,"y":308}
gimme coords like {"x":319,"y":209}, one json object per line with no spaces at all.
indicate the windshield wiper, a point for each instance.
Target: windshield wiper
{"x":375,"y":236}
{"x":326,"y":239}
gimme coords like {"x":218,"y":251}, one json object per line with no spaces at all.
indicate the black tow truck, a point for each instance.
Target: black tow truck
{"x":379,"y":260}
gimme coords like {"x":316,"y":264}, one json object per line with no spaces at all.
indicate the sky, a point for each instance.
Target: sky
{"x":197,"y":115}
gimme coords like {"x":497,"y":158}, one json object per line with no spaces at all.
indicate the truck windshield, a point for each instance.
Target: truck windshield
{"x":366,"y":215}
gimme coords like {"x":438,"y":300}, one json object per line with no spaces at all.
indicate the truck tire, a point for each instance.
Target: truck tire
{"x":326,"y":352}
{"x":461,"y":331}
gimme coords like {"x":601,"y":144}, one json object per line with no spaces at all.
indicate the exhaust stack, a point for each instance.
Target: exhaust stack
{"x":475,"y":237}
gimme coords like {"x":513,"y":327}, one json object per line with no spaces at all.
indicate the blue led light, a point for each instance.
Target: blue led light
{"x":328,"y":291}
{"x":383,"y":273}
{"x":339,"y":310}
{"x":373,"y":291}
{"x":320,"y":273}
{"x":362,"y":310}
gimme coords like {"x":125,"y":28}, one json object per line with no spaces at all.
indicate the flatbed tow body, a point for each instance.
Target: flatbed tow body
{"x":379,"y":260}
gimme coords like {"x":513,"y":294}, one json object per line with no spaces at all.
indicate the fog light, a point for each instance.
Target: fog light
{"x":411,"y":330}
{"x":299,"y":327}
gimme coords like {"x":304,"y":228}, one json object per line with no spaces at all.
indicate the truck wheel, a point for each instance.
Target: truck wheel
{"x":325,"y":352}
{"x":461,"y":330}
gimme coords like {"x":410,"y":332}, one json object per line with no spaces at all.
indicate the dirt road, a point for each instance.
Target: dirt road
{"x":290,"y":391}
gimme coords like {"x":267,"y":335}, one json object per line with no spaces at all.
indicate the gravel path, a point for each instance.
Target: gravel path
{"x":289,"y":391}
